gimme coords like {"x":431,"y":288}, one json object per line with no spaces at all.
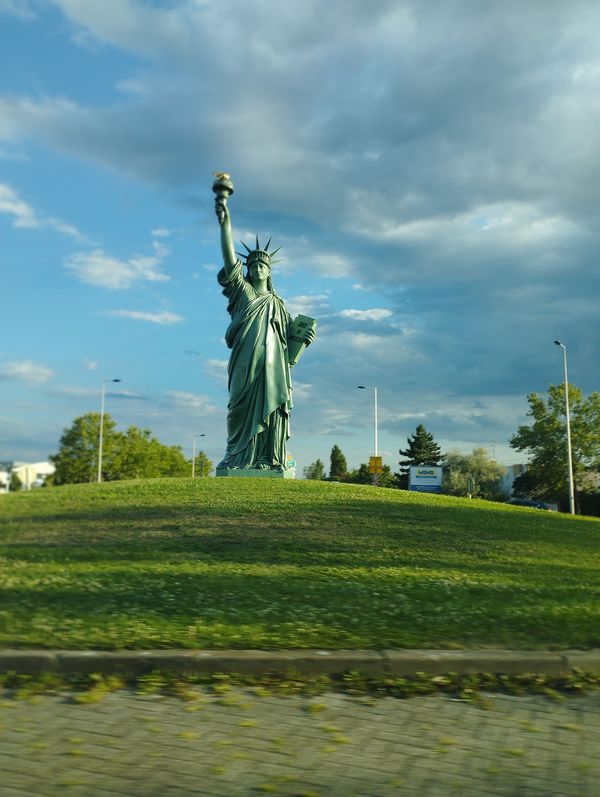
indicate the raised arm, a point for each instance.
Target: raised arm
{"x":229,"y":258}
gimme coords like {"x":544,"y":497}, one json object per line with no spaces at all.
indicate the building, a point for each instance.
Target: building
{"x":31,"y":474}
{"x":512,"y":471}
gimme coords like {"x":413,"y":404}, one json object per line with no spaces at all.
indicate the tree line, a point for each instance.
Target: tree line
{"x":133,"y":454}
{"x":421,"y":450}
{"x":542,"y":441}
{"x":136,"y":454}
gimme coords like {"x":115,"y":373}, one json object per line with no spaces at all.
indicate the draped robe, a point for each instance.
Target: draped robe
{"x":260,"y":387}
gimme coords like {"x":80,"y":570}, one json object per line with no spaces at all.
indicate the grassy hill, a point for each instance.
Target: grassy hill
{"x":254,"y":563}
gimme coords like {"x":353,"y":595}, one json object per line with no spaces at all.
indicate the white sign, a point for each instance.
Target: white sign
{"x":425,"y":478}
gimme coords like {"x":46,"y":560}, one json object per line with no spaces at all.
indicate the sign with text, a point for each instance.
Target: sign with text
{"x":425,"y":478}
{"x":375,"y":465}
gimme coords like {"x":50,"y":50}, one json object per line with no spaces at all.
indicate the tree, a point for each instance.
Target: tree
{"x":338,"y":465}
{"x":15,"y":484}
{"x":359,"y":475}
{"x":362,"y":475}
{"x":316,"y":470}
{"x":134,"y":454}
{"x":421,"y":450}
{"x":545,"y":441}
{"x":386,"y":477}
{"x":141,"y":456}
{"x":203,"y":466}
{"x":484,"y":471}
{"x":77,"y":458}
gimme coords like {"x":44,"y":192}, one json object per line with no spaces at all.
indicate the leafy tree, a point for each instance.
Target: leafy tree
{"x":484,"y":471}
{"x":15,"y":484}
{"x":524,"y":485}
{"x":338,"y":465}
{"x":172,"y":462}
{"x":359,"y":475}
{"x":386,"y":477}
{"x":316,"y":470}
{"x":545,"y":441}
{"x":421,"y":450}
{"x":362,"y":475}
{"x":137,"y":455}
{"x":77,"y":458}
{"x":141,"y":456}
{"x":203,"y":465}
{"x":134,"y":454}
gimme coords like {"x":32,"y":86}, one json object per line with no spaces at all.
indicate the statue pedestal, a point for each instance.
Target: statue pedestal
{"x":255,"y":473}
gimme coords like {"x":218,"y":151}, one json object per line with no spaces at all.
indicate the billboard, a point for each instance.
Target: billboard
{"x":425,"y":478}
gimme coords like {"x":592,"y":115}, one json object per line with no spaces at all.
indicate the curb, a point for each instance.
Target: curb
{"x":305,"y":662}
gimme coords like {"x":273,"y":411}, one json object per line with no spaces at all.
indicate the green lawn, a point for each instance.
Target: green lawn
{"x":253,"y":563}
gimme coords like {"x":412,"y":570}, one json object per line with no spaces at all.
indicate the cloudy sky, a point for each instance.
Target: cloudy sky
{"x":431,"y":170}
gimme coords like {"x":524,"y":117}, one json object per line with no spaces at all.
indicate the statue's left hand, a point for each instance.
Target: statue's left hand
{"x":310,"y":336}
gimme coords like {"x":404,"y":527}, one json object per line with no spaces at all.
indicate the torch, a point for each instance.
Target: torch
{"x":223,"y":187}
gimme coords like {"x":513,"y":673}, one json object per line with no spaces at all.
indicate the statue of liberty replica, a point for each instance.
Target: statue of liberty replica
{"x":264,"y":343}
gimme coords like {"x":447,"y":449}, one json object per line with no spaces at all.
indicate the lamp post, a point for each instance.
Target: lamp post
{"x":374,"y":389}
{"x":104,"y":382}
{"x":194,"y":454}
{"x":569,"y":452}
{"x":374,"y":464}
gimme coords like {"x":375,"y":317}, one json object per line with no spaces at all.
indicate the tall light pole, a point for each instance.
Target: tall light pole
{"x":374,"y":472}
{"x":194,"y":454}
{"x":374,"y":389}
{"x":569,"y":452}
{"x":375,"y":463}
{"x":104,"y":382}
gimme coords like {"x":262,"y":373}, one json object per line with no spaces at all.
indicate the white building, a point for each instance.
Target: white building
{"x":4,"y":476}
{"x":512,"y":471}
{"x":31,"y":474}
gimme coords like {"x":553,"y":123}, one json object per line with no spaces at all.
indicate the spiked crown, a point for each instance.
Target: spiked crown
{"x":258,"y":254}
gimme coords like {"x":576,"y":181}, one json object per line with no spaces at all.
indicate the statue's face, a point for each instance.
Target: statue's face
{"x":259,"y":272}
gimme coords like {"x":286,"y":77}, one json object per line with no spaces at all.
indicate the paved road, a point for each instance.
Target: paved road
{"x":243,"y":744}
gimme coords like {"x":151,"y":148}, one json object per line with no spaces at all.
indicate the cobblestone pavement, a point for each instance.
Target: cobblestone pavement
{"x":243,"y":744}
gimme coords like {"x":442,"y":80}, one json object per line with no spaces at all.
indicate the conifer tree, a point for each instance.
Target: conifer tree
{"x":315,"y":471}
{"x":421,"y":450}
{"x":338,"y":465}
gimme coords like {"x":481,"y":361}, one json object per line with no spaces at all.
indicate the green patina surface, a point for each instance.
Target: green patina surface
{"x":260,"y":385}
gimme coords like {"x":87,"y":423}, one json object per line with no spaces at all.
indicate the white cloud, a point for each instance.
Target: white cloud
{"x":22,"y":9}
{"x":303,"y":391}
{"x":26,"y":217}
{"x":216,"y":370}
{"x":198,"y":402}
{"x":26,"y":371}
{"x":161,"y":232}
{"x":125,"y":23}
{"x":375,"y":314}
{"x":79,"y":392}
{"x":514,"y":224}
{"x":307,"y":304}
{"x":162,"y":317}
{"x":98,"y":268}
{"x":330,"y":265}
{"x":91,"y":365}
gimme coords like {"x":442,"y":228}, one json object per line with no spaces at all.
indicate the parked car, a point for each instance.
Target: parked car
{"x":530,"y":502}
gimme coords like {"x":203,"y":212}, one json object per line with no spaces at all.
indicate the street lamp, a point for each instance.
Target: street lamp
{"x":569,"y":452}
{"x":367,"y":387}
{"x":194,"y":454}
{"x":104,"y":382}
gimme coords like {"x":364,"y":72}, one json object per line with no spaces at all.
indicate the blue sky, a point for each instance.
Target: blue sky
{"x":431,"y":170}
